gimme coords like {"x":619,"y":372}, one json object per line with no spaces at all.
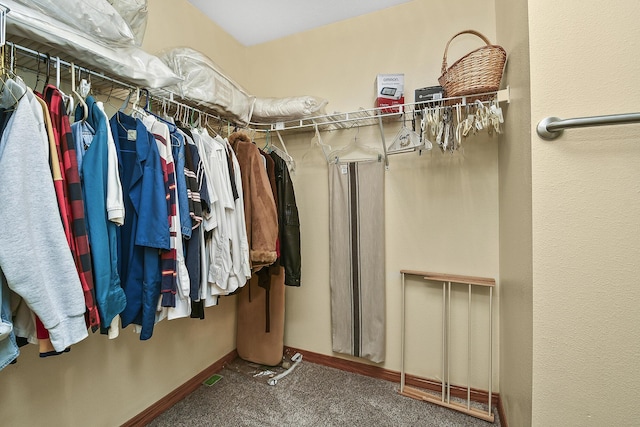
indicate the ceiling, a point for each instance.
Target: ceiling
{"x":253,"y":22}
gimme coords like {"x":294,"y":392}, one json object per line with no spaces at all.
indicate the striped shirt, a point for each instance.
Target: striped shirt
{"x":73,"y":199}
{"x":168,"y":259}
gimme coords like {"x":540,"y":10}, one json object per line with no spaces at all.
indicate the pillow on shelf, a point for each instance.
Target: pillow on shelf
{"x":97,"y":19}
{"x":134,"y":13}
{"x":129,"y":63}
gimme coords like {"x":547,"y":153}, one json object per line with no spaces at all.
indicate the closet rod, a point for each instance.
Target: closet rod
{"x":551,"y":127}
{"x":44,"y":56}
{"x":124,"y":85}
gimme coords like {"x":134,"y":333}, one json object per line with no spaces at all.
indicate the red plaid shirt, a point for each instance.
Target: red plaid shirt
{"x":76,"y":228}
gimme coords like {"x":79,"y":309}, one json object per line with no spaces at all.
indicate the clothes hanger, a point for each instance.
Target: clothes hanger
{"x":125,"y":103}
{"x":284,"y":155}
{"x":14,"y":87}
{"x":176,"y":114}
{"x":38,"y":59}
{"x":267,"y":142}
{"x":67,"y":100}
{"x":216,"y":133}
{"x":58,"y":72}
{"x":48,"y":75}
{"x":334,"y":156}
{"x":84,"y":88}
{"x":136,"y":111}
{"x":79,"y":98}
{"x":424,"y":130}
{"x":316,"y":141}
{"x":405,"y":140}
{"x":108,"y":101}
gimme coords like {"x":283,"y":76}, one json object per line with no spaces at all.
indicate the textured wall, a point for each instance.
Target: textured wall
{"x":516,"y":279}
{"x":586,"y":215}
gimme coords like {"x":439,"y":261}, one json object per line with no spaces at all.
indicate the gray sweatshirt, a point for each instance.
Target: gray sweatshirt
{"x":34,"y":254}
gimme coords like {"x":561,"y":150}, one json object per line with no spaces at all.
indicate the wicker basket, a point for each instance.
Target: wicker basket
{"x":479,"y":71}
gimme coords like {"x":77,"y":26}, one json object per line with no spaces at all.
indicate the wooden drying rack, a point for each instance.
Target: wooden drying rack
{"x":445,"y":394}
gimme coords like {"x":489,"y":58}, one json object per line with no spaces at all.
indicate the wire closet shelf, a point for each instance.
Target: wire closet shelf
{"x":33,"y":55}
{"x":371,"y":116}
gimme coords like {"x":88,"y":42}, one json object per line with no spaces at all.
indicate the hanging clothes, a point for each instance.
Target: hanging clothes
{"x":9,"y":350}
{"x":145,"y":230}
{"x":169,"y":258}
{"x":356,"y":230}
{"x":44,"y":343}
{"x":260,"y":327}
{"x":175,"y":302}
{"x":226,"y":250}
{"x":110,"y":296}
{"x":240,"y":249}
{"x":47,"y":278}
{"x":178,"y":152}
{"x":261,"y":218}
{"x":255,"y":341}
{"x":192,"y":243}
{"x":74,"y":200}
{"x":289,"y":224}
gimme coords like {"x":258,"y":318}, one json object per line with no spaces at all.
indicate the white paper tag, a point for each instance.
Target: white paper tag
{"x":132,"y":134}
{"x":344,"y":169}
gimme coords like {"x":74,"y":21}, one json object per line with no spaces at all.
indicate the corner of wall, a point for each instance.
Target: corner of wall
{"x":516,"y":277}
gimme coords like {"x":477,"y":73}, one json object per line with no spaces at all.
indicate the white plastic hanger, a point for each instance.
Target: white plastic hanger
{"x":316,"y":141}
{"x":80,"y":98}
{"x":284,"y":155}
{"x":334,"y":156}
{"x":405,"y":140}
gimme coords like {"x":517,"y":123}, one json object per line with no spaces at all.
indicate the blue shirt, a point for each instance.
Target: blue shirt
{"x":146,"y":225}
{"x":110,"y":296}
{"x":83,"y":134}
{"x":8,"y":347}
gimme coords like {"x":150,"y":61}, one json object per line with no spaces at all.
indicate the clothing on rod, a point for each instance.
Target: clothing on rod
{"x":128,"y":220}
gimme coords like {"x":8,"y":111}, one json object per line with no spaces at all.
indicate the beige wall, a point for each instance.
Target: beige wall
{"x":177,"y":23}
{"x":441,"y":209}
{"x":586,"y":215}
{"x":516,"y":279}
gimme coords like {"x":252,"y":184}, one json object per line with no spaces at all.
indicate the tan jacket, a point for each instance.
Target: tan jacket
{"x":260,"y":212}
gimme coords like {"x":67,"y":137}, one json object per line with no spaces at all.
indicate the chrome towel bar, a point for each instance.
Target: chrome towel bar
{"x":552,"y":127}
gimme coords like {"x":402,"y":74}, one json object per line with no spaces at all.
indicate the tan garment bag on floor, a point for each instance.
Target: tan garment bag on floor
{"x":260,"y":334}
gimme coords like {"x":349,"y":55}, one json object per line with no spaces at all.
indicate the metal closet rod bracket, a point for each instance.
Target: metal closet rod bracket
{"x":551,"y":128}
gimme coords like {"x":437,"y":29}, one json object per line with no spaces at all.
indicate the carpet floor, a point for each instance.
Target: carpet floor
{"x":311,"y":395}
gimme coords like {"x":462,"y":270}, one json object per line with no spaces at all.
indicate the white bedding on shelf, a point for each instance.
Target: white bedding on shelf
{"x":98,"y":36}
{"x":204,"y":82}
{"x":133,"y":64}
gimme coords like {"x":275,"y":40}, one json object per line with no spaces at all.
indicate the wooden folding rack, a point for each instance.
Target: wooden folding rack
{"x":444,"y":398}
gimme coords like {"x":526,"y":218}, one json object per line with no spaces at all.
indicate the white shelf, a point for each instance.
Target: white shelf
{"x":370,"y":116}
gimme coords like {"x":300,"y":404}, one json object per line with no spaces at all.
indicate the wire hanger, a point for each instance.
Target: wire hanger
{"x":48,"y":75}
{"x":37,"y":71}
{"x":108,"y":101}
